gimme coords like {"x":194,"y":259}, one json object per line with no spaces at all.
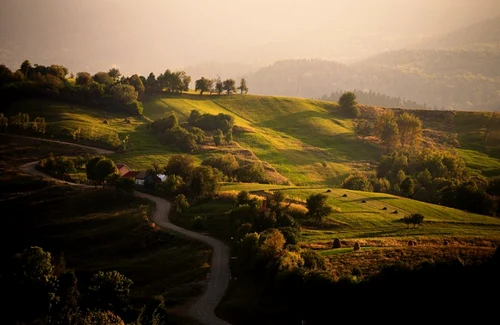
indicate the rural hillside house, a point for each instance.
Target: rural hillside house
{"x":123,"y":169}
{"x":131,"y":174}
{"x":146,"y":177}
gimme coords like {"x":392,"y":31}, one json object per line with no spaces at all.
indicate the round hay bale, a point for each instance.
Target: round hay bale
{"x":446,"y":243}
{"x":384,"y":208}
{"x":105,"y":122}
{"x":364,"y":201}
{"x":345,"y":195}
{"x":414,"y":243}
{"x":336,"y":243}
{"x":328,"y":191}
{"x":356,"y":247}
{"x":395,"y":212}
{"x":410,"y":243}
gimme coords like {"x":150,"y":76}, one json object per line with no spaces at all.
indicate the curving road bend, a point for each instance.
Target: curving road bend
{"x":203,"y":308}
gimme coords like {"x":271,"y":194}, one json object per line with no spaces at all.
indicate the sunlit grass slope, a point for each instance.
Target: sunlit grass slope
{"x":310,"y":142}
{"x":479,"y":136}
{"x":354,"y":219}
{"x":307,"y":141}
{"x":144,"y":146}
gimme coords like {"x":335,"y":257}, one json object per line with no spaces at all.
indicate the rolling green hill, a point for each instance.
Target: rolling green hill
{"x":308,"y":142}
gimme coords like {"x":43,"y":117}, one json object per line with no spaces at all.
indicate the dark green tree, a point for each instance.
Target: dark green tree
{"x":407,"y":186}
{"x":218,"y":136}
{"x":229,"y":85}
{"x":410,"y":130}
{"x":318,"y":207}
{"x":219,"y":86}
{"x":181,"y":165}
{"x":181,"y":203}
{"x":363,"y":128}
{"x":109,"y":291}
{"x":138,"y":85}
{"x":114,"y":73}
{"x":33,"y":285}
{"x":25,"y":67}
{"x":243,"y":88}
{"x":83,"y":79}
{"x":357,"y":182}
{"x":202,"y":85}
{"x":99,"y":168}
{"x":204,"y":182}
{"x":348,"y":99}
{"x":386,"y":128}
{"x":103,"y":78}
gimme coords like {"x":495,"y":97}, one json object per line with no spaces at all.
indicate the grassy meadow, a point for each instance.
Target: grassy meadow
{"x":375,"y":223}
{"x":305,"y":142}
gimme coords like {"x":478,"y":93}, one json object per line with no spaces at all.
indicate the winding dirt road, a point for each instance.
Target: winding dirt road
{"x":203,"y":309}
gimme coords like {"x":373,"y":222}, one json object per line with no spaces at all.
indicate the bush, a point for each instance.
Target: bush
{"x":356,"y":247}
{"x":228,"y":195}
{"x":290,"y":261}
{"x":297,"y":211}
{"x":415,"y":219}
{"x":252,"y":173}
{"x":292,"y":235}
{"x":313,"y":261}
{"x":199,"y":223}
{"x":227,"y":164}
{"x":181,"y":203}
{"x":357,"y":182}
{"x":356,"y":271}
{"x":381,"y":185}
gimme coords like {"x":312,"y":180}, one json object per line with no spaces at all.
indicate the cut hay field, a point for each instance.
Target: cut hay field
{"x":374,"y":222}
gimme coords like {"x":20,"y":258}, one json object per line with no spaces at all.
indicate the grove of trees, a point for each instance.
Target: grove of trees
{"x":433,"y":176}
{"x":107,"y":90}
{"x":43,"y":290}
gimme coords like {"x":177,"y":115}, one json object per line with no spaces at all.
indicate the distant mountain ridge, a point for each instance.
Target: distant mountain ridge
{"x":483,"y":33}
{"x":462,"y":72}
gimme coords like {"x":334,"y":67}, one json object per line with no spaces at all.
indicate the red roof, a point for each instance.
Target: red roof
{"x":131,"y":174}
{"x":119,"y":166}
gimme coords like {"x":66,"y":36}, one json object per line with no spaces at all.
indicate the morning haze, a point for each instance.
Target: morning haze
{"x":271,"y":162}
{"x":140,"y":37}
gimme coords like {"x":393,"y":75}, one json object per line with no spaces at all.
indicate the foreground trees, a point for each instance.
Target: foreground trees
{"x":41,"y":290}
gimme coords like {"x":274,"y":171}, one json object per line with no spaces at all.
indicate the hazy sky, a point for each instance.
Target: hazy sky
{"x":152,"y":35}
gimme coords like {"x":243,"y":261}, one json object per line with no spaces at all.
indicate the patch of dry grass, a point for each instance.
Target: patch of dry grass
{"x":370,"y":261}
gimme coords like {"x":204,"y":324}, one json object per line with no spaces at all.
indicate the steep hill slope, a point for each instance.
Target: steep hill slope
{"x":307,"y":141}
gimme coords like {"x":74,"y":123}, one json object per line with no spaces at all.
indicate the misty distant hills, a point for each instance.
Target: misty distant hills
{"x":485,"y":33}
{"x":460,"y":70}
